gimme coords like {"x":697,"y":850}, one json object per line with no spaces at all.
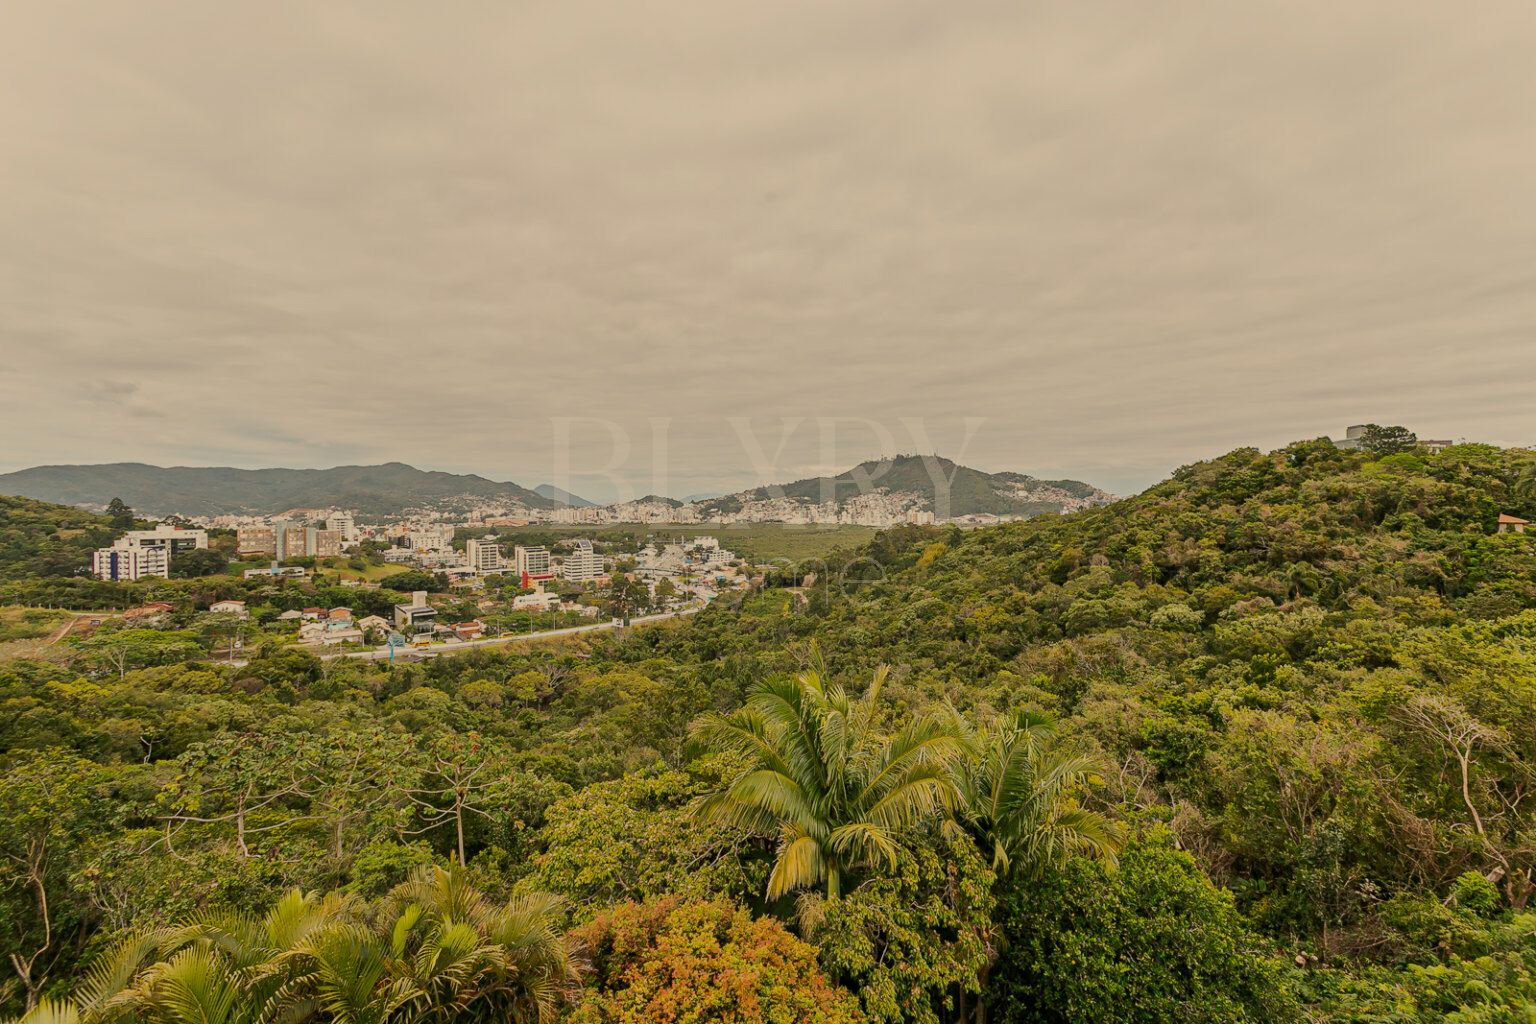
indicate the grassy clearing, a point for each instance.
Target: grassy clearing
{"x":370,"y":574}
{"x":18,"y":623}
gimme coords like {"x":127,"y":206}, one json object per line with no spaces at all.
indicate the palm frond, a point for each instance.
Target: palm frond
{"x":799,"y":864}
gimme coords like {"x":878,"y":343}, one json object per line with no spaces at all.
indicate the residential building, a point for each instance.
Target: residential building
{"x":374,"y":623}
{"x":342,"y":523}
{"x":126,"y":561}
{"x":430,"y":540}
{"x":256,"y":541}
{"x":582,"y":564}
{"x":1512,"y":524}
{"x":572,"y":515}
{"x":416,"y":617}
{"x":532,"y":562}
{"x":474,"y":629}
{"x":293,"y":542}
{"x":484,"y":555}
{"x":173,"y":539}
{"x":324,"y":543}
{"x":228,"y":608}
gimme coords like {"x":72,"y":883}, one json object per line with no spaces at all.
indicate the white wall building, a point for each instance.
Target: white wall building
{"x":484,"y":555}
{"x":171,"y":539}
{"x":126,"y":560}
{"x":582,"y":564}
{"x":430,"y":540}
{"x":342,"y":523}
{"x":532,"y":562}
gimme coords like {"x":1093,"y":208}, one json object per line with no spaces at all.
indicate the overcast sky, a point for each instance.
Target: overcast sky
{"x":1118,"y":237}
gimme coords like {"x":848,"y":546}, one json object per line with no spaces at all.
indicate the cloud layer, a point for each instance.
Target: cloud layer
{"x":1123,"y":236}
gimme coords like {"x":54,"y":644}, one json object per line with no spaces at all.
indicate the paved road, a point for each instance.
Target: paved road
{"x":382,"y":653}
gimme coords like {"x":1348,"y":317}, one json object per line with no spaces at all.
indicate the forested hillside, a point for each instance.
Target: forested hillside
{"x":1255,"y":745}
{"x":38,"y":539}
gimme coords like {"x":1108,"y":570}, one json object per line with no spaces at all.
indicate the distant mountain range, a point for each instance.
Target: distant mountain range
{"x":158,"y":491}
{"x":926,"y":482}
{"x":562,"y":497}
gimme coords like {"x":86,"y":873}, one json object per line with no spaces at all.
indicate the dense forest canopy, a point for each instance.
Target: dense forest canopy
{"x":1255,"y":745}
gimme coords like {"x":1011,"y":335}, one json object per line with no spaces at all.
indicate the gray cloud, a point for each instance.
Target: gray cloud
{"x":1126,"y":235}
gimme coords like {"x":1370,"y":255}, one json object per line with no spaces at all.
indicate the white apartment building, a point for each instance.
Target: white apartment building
{"x":430,"y":540}
{"x":342,"y":523}
{"x":570,"y":515}
{"x":582,"y":564}
{"x":484,"y":555}
{"x":127,"y":560}
{"x":532,"y":562}
{"x":171,"y":539}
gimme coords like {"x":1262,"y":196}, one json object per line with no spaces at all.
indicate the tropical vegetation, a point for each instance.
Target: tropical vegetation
{"x":1254,"y":745}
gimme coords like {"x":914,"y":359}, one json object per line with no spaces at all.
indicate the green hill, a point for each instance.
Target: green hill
{"x":38,"y":539}
{"x":387,"y":489}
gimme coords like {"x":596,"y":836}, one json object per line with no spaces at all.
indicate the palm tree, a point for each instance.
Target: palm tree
{"x":1019,"y":784}
{"x":434,"y":950}
{"x":510,"y":958}
{"x":1525,"y":483}
{"x":818,"y":775}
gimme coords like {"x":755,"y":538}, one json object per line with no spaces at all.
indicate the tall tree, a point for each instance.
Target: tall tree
{"x":1379,"y":440}
{"x":817,"y":773}
{"x":120,"y":514}
{"x":1019,"y":786}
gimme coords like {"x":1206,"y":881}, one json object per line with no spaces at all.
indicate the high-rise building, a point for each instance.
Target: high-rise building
{"x":484,"y":555}
{"x":293,"y":541}
{"x":128,"y":560}
{"x":324,"y":543}
{"x":258,"y":541}
{"x":582,"y":564}
{"x":342,"y":523}
{"x":532,"y":562}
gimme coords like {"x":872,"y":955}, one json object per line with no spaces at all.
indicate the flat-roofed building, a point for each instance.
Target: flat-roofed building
{"x":342,"y":523}
{"x":128,"y":561}
{"x":582,"y":564}
{"x":325,"y":543}
{"x":416,"y":617}
{"x":430,"y":540}
{"x":173,"y":539}
{"x":532,"y":562}
{"x":484,"y":554}
{"x":294,"y":542}
{"x":256,"y":541}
